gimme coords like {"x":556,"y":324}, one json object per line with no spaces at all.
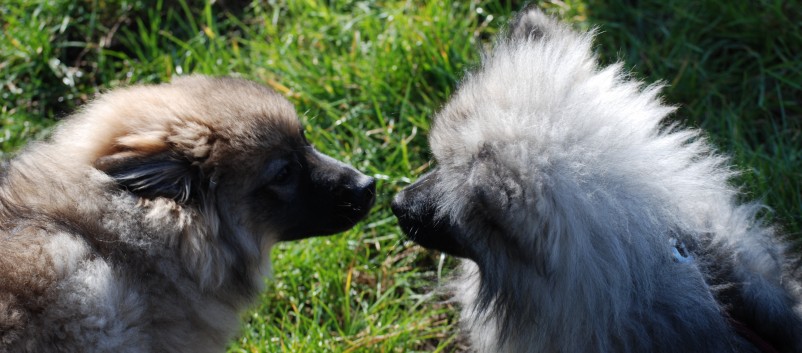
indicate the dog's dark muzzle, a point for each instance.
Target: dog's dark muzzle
{"x":416,"y":210}
{"x":338,"y":197}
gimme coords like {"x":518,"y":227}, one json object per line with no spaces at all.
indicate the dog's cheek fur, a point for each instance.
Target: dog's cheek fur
{"x":285,"y":210}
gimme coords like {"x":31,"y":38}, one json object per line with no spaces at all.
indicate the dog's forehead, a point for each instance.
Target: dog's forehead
{"x":243,"y":110}
{"x":263,"y":132}
{"x":279,"y":132}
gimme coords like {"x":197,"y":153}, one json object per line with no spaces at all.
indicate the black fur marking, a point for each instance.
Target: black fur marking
{"x":160,"y":175}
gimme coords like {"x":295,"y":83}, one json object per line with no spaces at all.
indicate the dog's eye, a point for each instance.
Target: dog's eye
{"x":281,"y":176}
{"x":278,"y":172}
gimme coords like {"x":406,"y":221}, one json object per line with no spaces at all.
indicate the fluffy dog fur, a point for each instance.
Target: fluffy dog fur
{"x":588,"y":223}
{"x":145,"y":224}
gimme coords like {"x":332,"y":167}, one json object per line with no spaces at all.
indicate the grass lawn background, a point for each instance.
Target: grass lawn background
{"x":366,"y":76}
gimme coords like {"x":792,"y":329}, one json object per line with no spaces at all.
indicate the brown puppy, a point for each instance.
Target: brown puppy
{"x":145,"y":223}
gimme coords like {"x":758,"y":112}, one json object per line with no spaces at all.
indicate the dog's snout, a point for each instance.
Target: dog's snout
{"x":415,"y":197}
{"x":365,"y":191}
{"x":397,"y":205}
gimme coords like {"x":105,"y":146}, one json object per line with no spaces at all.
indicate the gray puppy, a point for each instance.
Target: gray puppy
{"x":587,"y":223}
{"x":145,"y":224}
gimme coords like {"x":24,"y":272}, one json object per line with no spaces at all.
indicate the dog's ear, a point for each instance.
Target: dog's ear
{"x":530,"y":23}
{"x":160,"y":175}
{"x":162,"y":163}
{"x":496,"y":186}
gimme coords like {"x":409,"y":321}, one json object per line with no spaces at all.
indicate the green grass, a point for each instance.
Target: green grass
{"x":366,"y":77}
